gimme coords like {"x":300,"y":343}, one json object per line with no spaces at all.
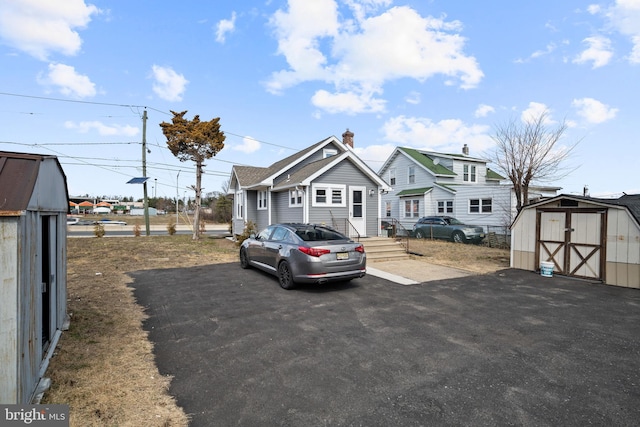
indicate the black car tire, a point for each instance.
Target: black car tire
{"x":420,"y":234}
{"x":244,"y":259}
{"x":284,"y":276}
{"x":458,"y":237}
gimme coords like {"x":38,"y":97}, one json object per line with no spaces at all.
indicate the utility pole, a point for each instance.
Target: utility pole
{"x":144,"y":171}
{"x":177,"y":198}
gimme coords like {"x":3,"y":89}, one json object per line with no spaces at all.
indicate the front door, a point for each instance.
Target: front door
{"x":357,"y":212}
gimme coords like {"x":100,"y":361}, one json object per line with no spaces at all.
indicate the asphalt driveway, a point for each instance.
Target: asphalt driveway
{"x":511,"y":348}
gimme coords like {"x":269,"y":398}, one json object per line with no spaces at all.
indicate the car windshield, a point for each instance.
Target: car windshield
{"x":452,"y":221}
{"x":314,"y":233}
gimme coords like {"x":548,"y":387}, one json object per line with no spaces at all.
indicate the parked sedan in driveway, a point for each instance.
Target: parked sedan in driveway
{"x":446,"y":227}
{"x":304,"y":253}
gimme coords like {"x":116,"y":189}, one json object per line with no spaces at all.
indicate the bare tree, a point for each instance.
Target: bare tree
{"x":196,"y":141}
{"x":528,"y":151}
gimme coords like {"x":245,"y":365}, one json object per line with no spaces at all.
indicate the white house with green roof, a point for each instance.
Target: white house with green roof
{"x":426,"y":183}
{"x":324,"y":183}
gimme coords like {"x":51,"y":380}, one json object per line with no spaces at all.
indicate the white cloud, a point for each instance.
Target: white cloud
{"x":445,"y":136}
{"x":347,"y":102}
{"x":484,"y":110}
{"x":168,"y":84}
{"x":534,"y":111}
{"x":599,"y":52}
{"x":249,"y":145}
{"x":624,"y":17}
{"x":413,"y":98}
{"x":41,"y":27}
{"x":359,"y":56}
{"x":594,"y":111}
{"x":68,"y":81}
{"x":225,"y":26}
{"x":105,"y":130}
{"x":374,"y":155}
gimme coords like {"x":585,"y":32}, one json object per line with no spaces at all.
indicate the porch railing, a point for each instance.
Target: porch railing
{"x":344,"y":226}
{"x":394,"y":229}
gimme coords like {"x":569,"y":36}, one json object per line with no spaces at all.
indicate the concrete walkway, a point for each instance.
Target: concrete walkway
{"x":412,"y":272}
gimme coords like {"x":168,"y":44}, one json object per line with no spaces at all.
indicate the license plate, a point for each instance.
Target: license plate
{"x":342,"y":255}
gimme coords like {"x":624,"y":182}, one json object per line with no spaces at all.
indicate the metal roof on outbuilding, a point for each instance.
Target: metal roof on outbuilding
{"x":18,"y":176}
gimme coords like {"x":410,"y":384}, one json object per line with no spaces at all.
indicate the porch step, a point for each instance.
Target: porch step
{"x":383,"y":249}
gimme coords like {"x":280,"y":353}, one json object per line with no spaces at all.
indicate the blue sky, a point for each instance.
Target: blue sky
{"x":75,"y":76}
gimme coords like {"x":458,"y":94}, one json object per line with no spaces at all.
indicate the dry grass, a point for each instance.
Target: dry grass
{"x":104,"y":366}
{"x":473,"y":258}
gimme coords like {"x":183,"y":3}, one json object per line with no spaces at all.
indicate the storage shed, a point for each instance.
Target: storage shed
{"x":583,"y":237}
{"x":33,"y":257}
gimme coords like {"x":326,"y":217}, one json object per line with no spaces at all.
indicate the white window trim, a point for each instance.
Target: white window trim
{"x":409,"y":174}
{"x":295,"y":204}
{"x":392,"y":176}
{"x":469,"y":173}
{"x":329,"y":188}
{"x":444,"y":203}
{"x":480,"y":204}
{"x":239,"y":205}
{"x":411,"y":214}
{"x":328,"y":152}
{"x":262,"y":197}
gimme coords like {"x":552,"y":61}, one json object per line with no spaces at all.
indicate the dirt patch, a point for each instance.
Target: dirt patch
{"x":474,"y":258}
{"x":104,"y":366}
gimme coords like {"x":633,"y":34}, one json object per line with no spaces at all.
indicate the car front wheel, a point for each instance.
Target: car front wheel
{"x":284,"y":276}
{"x":458,"y":237}
{"x":244,"y":259}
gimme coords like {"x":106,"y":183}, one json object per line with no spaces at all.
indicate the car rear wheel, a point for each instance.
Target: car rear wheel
{"x":284,"y":276}
{"x":244,"y":259}
{"x":419,"y":234}
{"x":458,"y":237}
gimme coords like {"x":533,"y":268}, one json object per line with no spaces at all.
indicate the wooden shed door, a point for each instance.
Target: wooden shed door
{"x":574,"y":240}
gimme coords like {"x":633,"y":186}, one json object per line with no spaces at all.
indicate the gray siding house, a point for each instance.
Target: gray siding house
{"x":325,"y":183}
{"x":428,"y":183}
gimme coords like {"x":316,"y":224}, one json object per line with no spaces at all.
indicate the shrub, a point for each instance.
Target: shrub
{"x":98,"y":230}
{"x":249,"y":229}
{"x":171,"y":227}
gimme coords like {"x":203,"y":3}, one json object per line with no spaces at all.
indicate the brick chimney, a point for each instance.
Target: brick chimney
{"x":347,"y":138}
{"x":465,"y":150}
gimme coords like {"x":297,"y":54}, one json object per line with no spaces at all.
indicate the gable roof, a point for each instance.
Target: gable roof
{"x":251,"y":176}
{"x":494,"y":176}
{"x":426,"y":161}
{"x":414,"y":191}
{"x":629,"y":201}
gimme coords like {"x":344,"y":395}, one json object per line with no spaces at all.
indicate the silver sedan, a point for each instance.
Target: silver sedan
{"x":304,"y":253}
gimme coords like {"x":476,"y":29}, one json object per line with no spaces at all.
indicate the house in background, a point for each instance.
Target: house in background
{"x":428,"y":183}
{"x":582,"y":236}
{"x":33,"y":271}
{"x":325,"y":183}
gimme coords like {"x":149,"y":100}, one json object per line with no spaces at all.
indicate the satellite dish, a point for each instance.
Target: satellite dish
{"x":436,"y":161}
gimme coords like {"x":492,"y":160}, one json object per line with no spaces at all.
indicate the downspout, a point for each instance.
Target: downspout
{"x":269,"y":218}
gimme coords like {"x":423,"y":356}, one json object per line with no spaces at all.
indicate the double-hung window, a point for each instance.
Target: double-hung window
{"x":387,"y":209}
{"x":469,"y":173}
{"x":480,"y":206}
{"x":445,"y":206}
{"x":328,"y":195}
{"x":295,"y":198}
{"x":392,"y":176}
{"x":262,"y":200}
{"x":412,"y":175}
{"x":239,"y":199}
{"x":412,"y":208}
